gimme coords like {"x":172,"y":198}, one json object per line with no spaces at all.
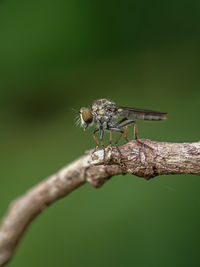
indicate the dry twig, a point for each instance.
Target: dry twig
{"x":143,"y":158}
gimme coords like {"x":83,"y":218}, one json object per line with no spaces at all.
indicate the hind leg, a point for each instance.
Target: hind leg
{"x":126,"y":134}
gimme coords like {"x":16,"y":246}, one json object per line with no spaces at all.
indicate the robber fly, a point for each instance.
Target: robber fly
{"x":106,"y":116}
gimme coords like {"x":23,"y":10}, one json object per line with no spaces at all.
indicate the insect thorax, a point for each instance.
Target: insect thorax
{"x":103,"y":111}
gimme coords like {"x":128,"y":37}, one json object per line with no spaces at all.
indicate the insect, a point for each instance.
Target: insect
{"x":106,"y":116}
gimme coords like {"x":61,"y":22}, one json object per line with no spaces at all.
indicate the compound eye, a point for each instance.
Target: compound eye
{"x":86,"y":115}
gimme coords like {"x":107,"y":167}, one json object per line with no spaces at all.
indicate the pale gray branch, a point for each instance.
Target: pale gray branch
{"x":143,"y":158}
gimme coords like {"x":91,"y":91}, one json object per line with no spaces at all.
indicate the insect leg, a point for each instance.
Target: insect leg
{"x":120,"y":121}
{"x":135,"y":128}
{"x":116,"y":129}
{"x":101,"y":136}
{"x":119,"y":137}
{"x":101,"y":133}
{"x":95,"y":139}
{"x":110,"y":139}
{"x":127,"y":122}
{"x":102,"y":142}
{"x":126,"y":133}
{"x":124,"y":123}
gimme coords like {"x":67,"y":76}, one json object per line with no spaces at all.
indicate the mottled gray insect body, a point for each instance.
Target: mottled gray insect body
{"x":107,"y":116}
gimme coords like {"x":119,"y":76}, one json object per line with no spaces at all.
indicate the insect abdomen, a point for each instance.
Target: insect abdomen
{"x":151,"y":117}
{"x":142,"y":114}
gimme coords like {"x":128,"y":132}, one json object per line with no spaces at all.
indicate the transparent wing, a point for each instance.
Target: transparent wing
{"x":141,"y":114}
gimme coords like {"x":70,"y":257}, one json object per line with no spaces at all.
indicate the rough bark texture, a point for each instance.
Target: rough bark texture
{"x":143,"y":158}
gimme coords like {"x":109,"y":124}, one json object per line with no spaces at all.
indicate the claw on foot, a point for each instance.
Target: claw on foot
{"x":109,"y":146}
{"x":96,"y":148}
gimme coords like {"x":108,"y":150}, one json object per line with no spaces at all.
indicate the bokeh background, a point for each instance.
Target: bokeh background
{"x":59,"y":55}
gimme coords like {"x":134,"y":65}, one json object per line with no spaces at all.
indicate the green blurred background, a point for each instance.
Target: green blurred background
{"x":59,"y":55}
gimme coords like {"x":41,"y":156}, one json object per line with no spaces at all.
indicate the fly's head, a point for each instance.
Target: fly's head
{"x":86,"y":117}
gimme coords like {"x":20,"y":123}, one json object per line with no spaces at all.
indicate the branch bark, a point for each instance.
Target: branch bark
{"x":143,"y":158}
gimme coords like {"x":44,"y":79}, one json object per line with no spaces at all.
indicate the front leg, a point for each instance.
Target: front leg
{"x":97,"y":142}
{"x":95,"y":139}
{"x":101,"y":136}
